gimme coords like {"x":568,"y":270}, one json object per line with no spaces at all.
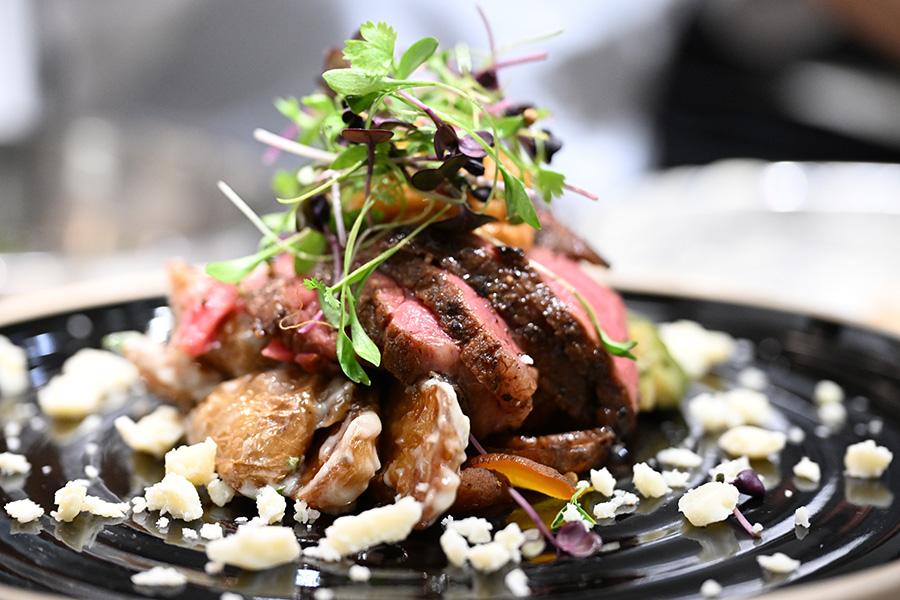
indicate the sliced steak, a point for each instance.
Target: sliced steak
{"x":579,"y":387}
{"x":414,"y":345}
{"x":501,"y":400}
{"x":558,"y":238}
{"x":607,"y":304}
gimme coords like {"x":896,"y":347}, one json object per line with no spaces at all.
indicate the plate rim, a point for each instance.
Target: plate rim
{"x":873,"y":583}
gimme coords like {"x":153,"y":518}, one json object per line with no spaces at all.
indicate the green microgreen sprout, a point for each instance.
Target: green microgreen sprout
{"x":575,"y":501}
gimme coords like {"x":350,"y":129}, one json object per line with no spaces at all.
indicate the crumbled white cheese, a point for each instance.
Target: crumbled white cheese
{"x":832,"y":414}
{"x":710,"y":589}
{"x":828,"y":392}
{"x":607,"y":510}
{"x":752,"y":442}
{"x":88,"y":377}
{"x":650,"y":483}
{"x":474,"y":529}
{"x":679,"y":457}
{"x":13,"y":444}
{"x":219,"y":492}
{"x":12,"y":429}
{"x":176,"y":496}
{"x":778,"y":563}
{"x":196,"y":463}
{"x":159,"y":577}
{"x":571,"y":514}
{"x":189,"y":534}
{"x":241,"y":520}
{"x":807,"y":469}
{"x":103,"y":508}
{"x":489,"y":557}
{"x":751,"y":407}
{"x":723,"y":410}
{"x":757,"y":528}
{"x":46,"y":469}
{"x":710,"y":503}
{"x":69,"y":501}
{"x":455,"y":547}
{"x":213,"y":568}
{"x":162,"y":523}
{"x":867,"y":460}
{"x":676,"y":478}
{"x":752,"y":378}
{"x":788,"y":493}
{"x":270,"y":505}
{"x":91,"y":471}
{"x":795,"y":435}
{"x":534,"y":543}
{"x":512,"y":538}
{"x":603,"y":481}
{"x":359,"y":573}
{"x":627,"y":498}
{"x":384,"y":524}
{"x":13,"y":368}
{"x":696,"y":349}
{"x":230,"y":596}
{"x":211,"y":531}
{"x":155,"y":434}
{"x":875,"y":426}
{"x":256,"y":548}
{"x":323,"y":594}
{"x":24,"y":511}
{"x":517,"y":583}
{"x":13,"y":464}
{"x":303,"y":513}
{"x":801,"y":517}
{"x":138,"y":505}
{"x":729,"y":469}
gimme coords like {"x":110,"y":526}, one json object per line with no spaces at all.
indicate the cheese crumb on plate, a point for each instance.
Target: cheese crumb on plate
{"x":752,"y":442}
{"x":24,"y":511}
{"x":159,"y":577}
{"x":709,"y":503}
{"x":176,"y":496}
{"x":196,"y":463}
{"x":155,"y":434}
{"x":256,"y":548}
{"x":650,"y":483}
{"x":867,"y":460}
{"x":808,"y":469}
{"x":779,"y":563}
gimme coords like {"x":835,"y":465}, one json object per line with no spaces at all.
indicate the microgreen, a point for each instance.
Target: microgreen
{"x":575,"y":501}
{"x":394,"y":124}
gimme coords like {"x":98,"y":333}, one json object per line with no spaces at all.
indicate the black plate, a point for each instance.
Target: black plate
{"x":651,"y":553}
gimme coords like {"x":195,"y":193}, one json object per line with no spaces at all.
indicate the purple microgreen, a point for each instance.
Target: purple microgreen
{"x":481,"y":193}
{"x":578,"y":540}
{"x":356,"y":135}
{"x":492,"y":44}
{"x":543,"y":149}
{"x":520,"y":60}
{"x":452,"y":165}
{"x":445,"y":141}
{"x":427,"y":179}
{"x":748,"y":482}
{"x":390,"y":123}
{"x":745,"y":524}
{"x":315,"y":320}
{"x":487,"y":79}
{"x":466,"y":220}
{"x":352,"y":120}
{"x":423,"y":107}
{"x":470,"y":146}
{"x":475,"y":166}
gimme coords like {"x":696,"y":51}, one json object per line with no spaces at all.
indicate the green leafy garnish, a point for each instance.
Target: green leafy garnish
{"x":575,"y":501}
{"x":377,"y":132}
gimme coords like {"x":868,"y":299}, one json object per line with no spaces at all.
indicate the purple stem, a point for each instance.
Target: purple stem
{"x":499,"y":107}
{"x":744,"y":522}
{"x":519,"y":60}
{"x":477,"y":444}
{"x":272,"y":153}
{"x":423,"y":107}
{"x":581,"y":191}
{"x":312,"y":322}
{"x":490,"y":32}
{"x":533,"y":514}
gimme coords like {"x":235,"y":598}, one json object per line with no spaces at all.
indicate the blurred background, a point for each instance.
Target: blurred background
{"x":740,"y":148}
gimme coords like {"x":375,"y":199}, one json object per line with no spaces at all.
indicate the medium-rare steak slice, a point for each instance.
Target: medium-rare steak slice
{"x":486,"y":348}
{"x":413,"y":345}
{"x":578,"y":387}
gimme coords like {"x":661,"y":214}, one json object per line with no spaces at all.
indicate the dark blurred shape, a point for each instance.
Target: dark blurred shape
{"x":785,"y":80}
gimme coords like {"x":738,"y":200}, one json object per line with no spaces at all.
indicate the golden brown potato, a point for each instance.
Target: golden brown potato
{"x":426,"y":438}
{"x":264,"y":423}
{"x":342,"y":466}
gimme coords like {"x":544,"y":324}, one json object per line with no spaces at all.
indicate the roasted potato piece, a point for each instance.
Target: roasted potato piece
{"x":481,"y":491}
{"x":340,"y":470}
{"x":264,"y":423}
{"x":427,"y":435}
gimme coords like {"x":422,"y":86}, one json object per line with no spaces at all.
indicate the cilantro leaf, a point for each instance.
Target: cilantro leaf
{"x":289,"y":107}
{"x":374,"y":54}
{"x":330,"y":305}
{"x":519,"y":208}
{"x":313,"y":243}
{"x":415,"y":56}
{"x":233,"y":271}
{"x":550,"y":183}
{"x":352,"y":82}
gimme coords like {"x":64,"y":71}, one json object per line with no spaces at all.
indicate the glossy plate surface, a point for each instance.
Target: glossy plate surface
{"x":651,"y":553}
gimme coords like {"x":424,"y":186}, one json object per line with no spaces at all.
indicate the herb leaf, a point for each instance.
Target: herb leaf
{"x":374,"y":54}
{"x":519,"y":208}
{"x":415,"y":56}
{"x":550,"y":184}
{"x":351,"y":82}
{"x":363,"y":345}
{"x":349,"y":157}
{"x":233,"y":271}
{"x":329,"y":304}
{"x":347,"y":359}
